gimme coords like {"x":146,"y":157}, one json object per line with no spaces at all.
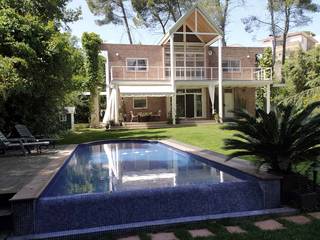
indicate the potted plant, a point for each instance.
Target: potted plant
{"x":281,"y":139}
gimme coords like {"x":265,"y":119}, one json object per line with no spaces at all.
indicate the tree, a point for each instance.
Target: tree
{"x":265,"y":61}
{"x":91,"y":43}
{"x":284,"y":15}
{"x":294,"y":14}
{"x":302,"y":74}
{"x":152,"y":13}
{"x":221,"y":10}
{"x":113,"y":11}
{"x":36,"y":69}
{"x":280,"y":139}
{"x":46,"y":10}
{"x":272,"y":22}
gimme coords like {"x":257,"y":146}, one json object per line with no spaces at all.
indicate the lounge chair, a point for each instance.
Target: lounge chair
{"x":25,"y":134}
{"x":6,"y":144}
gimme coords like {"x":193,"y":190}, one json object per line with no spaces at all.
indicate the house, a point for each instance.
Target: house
{"x":183,"y":76}
{"x":295,"y":41}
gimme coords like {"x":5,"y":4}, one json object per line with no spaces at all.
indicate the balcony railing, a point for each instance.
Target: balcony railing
{"x":191,"y":73}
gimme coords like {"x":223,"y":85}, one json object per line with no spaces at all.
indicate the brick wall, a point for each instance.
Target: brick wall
{"x":154,"y":104}
{"x":245,"y":98}
{"x":118,"y":53}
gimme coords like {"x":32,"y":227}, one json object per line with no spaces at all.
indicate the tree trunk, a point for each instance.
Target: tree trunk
{"x":273,"y":29}
{"x":284,"y":38}
{"x":125,"y":19}
{"x":224,"y":21}
{"x":94,"y":108}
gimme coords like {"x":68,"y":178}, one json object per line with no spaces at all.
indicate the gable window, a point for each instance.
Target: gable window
{"x":231,"y":65}
{"x":140,"y":103}
{"x":137,"y":64}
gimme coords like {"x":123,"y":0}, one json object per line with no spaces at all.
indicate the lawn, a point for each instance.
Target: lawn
{"x":204,"y":136}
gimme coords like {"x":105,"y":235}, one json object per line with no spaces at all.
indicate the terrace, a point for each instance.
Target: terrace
{"x":156,"y":73}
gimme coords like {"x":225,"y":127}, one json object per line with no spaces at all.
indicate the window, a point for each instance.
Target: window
{"x":63,"y":117}
{"x":231,"y":65}
{"x":140,"y":103}
{"x":137,"y":64}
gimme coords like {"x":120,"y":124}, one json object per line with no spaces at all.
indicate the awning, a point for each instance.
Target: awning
{"x":144,"y":91}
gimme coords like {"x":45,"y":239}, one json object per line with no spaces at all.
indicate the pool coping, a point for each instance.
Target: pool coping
{"x":241,"y":165}
{"x":33,"y":189}
{"x":36,"y":186}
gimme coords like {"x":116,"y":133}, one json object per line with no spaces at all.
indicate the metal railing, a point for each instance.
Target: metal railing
{"x":191,"y":73}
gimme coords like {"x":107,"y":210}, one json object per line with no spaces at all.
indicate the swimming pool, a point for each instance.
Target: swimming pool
{"x":124,"y":183}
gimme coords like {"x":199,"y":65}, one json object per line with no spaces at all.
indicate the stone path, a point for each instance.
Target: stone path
{"x":264,"y":225}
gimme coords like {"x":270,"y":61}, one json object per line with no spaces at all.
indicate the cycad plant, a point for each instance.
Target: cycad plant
{"x":280,"y":139}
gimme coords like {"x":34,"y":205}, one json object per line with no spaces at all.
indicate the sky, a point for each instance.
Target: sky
{"x":236,"y":34}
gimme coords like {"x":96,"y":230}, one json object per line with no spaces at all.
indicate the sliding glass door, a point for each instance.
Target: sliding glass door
{"x":189,"y":103}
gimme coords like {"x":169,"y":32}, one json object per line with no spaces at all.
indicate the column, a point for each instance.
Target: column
{"x":172,"y":75}
{"x":220,"y":81}
{"x":116,"y":105}
{"x":268,"y":98}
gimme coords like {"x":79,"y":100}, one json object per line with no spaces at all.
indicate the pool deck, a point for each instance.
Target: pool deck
{"x":30,"y":173}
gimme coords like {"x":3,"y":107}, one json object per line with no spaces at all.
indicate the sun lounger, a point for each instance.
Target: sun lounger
{"x":24,"y":133}
{"x":16,"y":143}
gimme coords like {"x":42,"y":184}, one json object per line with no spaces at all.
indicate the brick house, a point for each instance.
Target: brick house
{"x":206,"y":79}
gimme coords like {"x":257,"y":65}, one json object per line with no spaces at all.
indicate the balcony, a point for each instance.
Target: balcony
{"x":155,"y":73}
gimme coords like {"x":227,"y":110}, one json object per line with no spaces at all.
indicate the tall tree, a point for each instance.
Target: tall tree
{"x":113,"y":11}
{"x":294,"y":15}
{"x":91,"y":43}
{"x":152,"y":13}
{"x":35,"y":67}
{"x":272,"y":22}
{"x":221,"y":10}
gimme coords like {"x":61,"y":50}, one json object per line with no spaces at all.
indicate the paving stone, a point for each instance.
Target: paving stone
{"x":200,"y":233}
{"x":235,"y":229}
{"x":298,"y":219}
{"x":130,"y":238}
{"x":315,"y":215}
{"x":164,"y":236}
{"x":269,"y":225}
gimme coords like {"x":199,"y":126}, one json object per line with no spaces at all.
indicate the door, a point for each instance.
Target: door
{"x":228,"y":103}
{"x":189,"y":105}
{"x":181,"y":106}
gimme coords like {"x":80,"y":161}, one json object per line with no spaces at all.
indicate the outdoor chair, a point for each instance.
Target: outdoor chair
{"x":133,"y":116}
{"x":24,"y":133}
{"x":17,"y":143}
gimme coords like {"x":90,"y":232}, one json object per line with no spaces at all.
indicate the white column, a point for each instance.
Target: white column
{"x":116,"y":105}
{"x":107,"y":87}
{"x":172,"y":75}
{"x":268,"y":98}
{"x":220,"y":81}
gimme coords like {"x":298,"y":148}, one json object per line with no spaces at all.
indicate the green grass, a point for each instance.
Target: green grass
{"x":204,"y":136}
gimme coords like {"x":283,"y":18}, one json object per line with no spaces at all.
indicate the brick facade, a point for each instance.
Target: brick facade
{"x":154,"y":104}
{"x":244,"y":97}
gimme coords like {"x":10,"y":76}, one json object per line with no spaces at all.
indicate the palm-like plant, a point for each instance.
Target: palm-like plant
{"x":280,"y":139}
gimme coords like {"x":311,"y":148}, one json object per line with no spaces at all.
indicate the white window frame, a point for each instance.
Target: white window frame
{"x":231,"y":69}
{"x":137,"y":67}
{"x":140,"y":98}
{"x":63,"y":117}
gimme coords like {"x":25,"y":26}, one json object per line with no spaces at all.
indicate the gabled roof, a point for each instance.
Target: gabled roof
{"x":183,"y":19}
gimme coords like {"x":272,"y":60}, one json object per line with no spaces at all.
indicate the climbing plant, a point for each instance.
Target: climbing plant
{"x":91,"y":44}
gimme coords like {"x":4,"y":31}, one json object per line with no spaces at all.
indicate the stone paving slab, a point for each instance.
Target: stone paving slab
{"x":299,"y":219}
{"x":130,"y":238}
{"x":163,"y":236}
{"x":17,"y":171}
{"x":269,"y":225}
{"x":200,"y":233}
{"x":316,"y":215}
{"x":235,"y":229}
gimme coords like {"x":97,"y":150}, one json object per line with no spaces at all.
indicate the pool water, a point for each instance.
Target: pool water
{"x":122,"y":166}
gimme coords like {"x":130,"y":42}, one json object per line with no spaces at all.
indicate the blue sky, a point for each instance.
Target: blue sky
{"x":235,"y":30}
